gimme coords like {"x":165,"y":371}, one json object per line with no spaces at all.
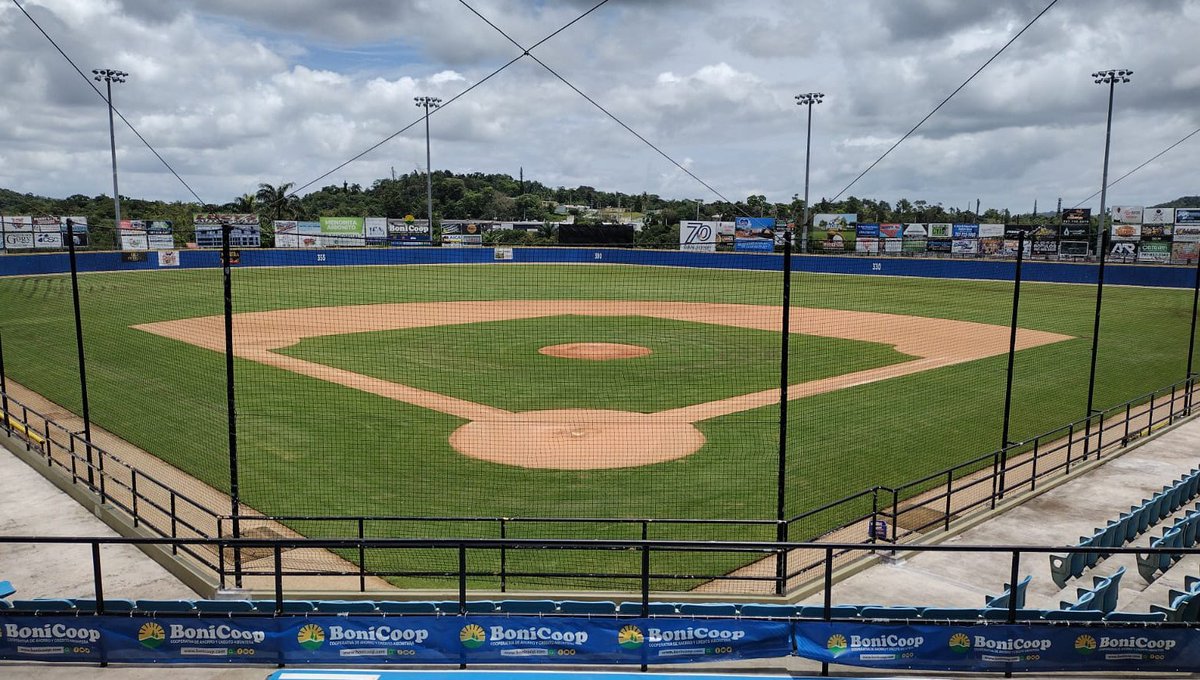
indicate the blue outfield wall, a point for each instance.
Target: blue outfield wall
{"x":1158,"y":276}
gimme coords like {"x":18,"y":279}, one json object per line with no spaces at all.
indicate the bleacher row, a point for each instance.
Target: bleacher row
{"x":1138,"y":520}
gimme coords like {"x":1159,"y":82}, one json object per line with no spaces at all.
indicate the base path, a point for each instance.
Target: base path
{"x":589,"y":439}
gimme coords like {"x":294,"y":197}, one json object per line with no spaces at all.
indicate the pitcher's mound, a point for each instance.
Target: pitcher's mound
{"x":577,"y":439}
{"x":595,"y":351}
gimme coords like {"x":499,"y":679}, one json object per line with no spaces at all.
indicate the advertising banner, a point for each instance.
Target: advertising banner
{"x":754,"y":234}
{"x":287,"y":235}
{"x":1012,"y":233}
{"x":16,"y":240}
{"x":136,"y":239}
{"x":168,"y":258}
{"x":79,"y":230}
{"x":891,"y":237}
{"x":191,"y":640}
{"x":244,"y":234}
{"x":45,"y":224}
{"x":1185,"y":253}
{"x":1187,"y":216}
{"x":998,"y":648}
{"x":866,"y":238}
{"x":1127,"y":214}
{"x":47,"y":240}
{"x":51,"y":638}
{"x":1123,"y":251}
{"x":1158,"y":216}
{"x":375,"y":229}
{"x":965,"y":239}
{"x":158,"y":226}
{"x":310,"y":234}
{"x":1126,"y":232}
{"x":991,"y":239}
{"x":1045,"y":239}
{"x":407,"y":232}
{"x":1076,"y":232}
{"x":833,"y":232}
{"x":460,"y":235}
{"x":342,"y":232}
{"x":698,"y":237}
{"x":940,"y":237}
{"x":1154,"y":251}
{"x":914,"y":239}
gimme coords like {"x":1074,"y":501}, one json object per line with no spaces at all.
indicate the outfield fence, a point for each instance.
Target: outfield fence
{"x":582,"y":392}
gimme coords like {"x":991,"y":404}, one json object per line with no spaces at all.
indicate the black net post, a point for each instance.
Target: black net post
{"x":1187,"y":397}
{"x":1095,"y":339}
{"x":83,"y":392}
{"x":3,"y":387}
{"x":1012,"y":353}
{"x":231,"y":404}
{"x":781,"y":474}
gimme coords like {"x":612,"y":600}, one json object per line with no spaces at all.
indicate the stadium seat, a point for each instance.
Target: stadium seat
{"x":165,"y":606}
{"x":406,"y":607}
{"x":6,"y":589}
{"x":951,"y":613}
{"x":656,"y":609}
{"x":111,"y":605}
{"x":44,"y":605}
{"x":588,"y":607}
{"x":289,"y":606}
{"x":1131,"y":617}
{"x":1073,"y":615}
{"x":526,"y":607}
{"x":840,"y":611}
{"x":772,"y":611}
{"x":876,"y":612}
{"x":1001,"y":614}
{"x":345,"y":606}
{"x":706,"y":609}
{"x":4,"y":604}
{"x":450,"y":607}
{"x":1001,"y":600}
{"x":225,"y":606}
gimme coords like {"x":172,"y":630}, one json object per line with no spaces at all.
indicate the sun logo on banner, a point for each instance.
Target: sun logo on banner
{"x":630,"y":637}
{"x":1085,"y":644}
{"x":311,"y":637}
{"x":472,"y":636}
{"x":151,"y":635}
{"x":960,"y":643}
{"x":836,"y":644}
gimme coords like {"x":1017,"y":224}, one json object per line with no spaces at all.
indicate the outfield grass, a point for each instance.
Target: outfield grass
{"x":310,"y":447}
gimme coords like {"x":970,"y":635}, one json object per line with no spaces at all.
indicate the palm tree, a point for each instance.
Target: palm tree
{"x":276,"y":199}
{"x":246,"y":203}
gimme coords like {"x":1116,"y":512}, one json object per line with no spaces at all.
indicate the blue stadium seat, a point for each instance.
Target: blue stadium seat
{"x":165,"y":606}
{"x":473,"y":607}
{"x":112,"y":605}
{"x":706,"y":609}
{"x":1001,"y":600}
{"x":4,"y":604}
{"x":1131,"y":617}
{"x":773,"y":611}
{"x":345,"y":606}
{"x":289,"y":606}
{"x":656,"y":609}
{"x":1001,"y":614}
{"x":225,"y":606}
{"x":1073,"y":615}
{"x":588,"y":607}
{"x":876,"y":612}
{"x":951,"y":613}
{"x":527,"y":606}
{"x":44,"y":605}
{"x":837,"y":611}
{"x":406,"y":607}
{"x":6,"y":589}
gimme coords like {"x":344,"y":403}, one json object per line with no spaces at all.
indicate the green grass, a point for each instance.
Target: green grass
{"x":497,"y":363}
{"x":309,"y":447}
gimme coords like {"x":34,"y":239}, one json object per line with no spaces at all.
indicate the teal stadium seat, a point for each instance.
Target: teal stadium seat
{"x":226,"y":606}
{"x":588,"y":607}
{"x":769,"y":611}
{"x":527,"y":607}
{"x":406,"y":607}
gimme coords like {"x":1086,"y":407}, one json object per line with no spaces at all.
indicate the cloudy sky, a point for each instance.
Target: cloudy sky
{"x":237,"y":92}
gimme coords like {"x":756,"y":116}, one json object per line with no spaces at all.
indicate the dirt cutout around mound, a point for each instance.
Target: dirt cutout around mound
{"x":595,"y":351}
{"x":578,"y":439}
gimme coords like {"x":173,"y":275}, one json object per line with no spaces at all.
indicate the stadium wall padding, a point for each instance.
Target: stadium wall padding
{"x":1158,"y":276}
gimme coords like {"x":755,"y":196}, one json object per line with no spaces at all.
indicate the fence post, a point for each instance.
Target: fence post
{"x":1187,"y":401}
{"x":462,"y":579}
{"x":3,"y":388}
{"x":1012,"y":354}
{"x":504,"y":553}
{"x":781,"y":473}
{"x":278,"y":550}
{"x":362,"y":556}
{"x":231,"y":404}
{"x":98,"y":579}
{"x":1095,"y":338}
{"x":83,"y":393}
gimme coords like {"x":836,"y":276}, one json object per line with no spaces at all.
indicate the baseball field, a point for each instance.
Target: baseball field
{"x":581,"y":391}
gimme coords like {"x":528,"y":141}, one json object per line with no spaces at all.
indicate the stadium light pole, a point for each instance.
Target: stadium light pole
{"x":110,"y":76}
{"x":428,"y":103}
{"x":807,"y":100}
{"x":1110,"y":77}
